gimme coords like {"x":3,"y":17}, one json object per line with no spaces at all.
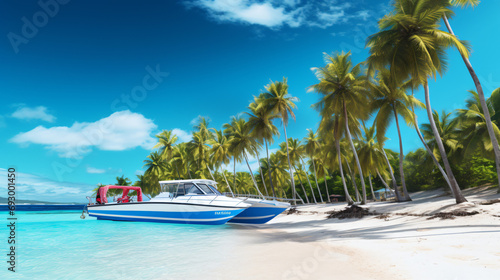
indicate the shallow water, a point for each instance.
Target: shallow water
{"x":60,"y":245}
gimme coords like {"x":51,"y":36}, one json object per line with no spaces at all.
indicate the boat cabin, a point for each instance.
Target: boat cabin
{"x":189,"y":187}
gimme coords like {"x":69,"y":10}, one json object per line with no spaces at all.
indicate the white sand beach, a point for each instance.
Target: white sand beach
{"x":309,"y":246}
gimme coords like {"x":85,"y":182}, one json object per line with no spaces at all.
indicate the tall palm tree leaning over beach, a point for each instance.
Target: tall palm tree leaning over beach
{"x":391,"y":101}
{"x":312,"y":146}
{"x":332,"y":122}
{"x":370,"y":153}
{"x":219,"y":152}
{"x":411,"y":44}
{"x":243,"y":143}
{"x":343,"y":86}
{"x":229,"y":129}
{"x":489,"y":124}
{"x":260,"y":121}
{"x":279,"y":101}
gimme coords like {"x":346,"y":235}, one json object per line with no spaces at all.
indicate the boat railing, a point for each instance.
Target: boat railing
{"x":266,"y":197}
{"x":242,"y":201}
{"x":213,"y":199}
{"x":90,"y":200}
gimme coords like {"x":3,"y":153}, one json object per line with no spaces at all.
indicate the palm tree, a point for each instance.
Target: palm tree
{"x":295,"y":151}
{"x":202,"y":127}
{"x":166,"y":143}
{"x":322,"y":171}
{"x":473,"y":127}
{"x":263,"y":129}
{"x":370,"y":153}
{"x":391,"y":101}
{"x":243,"y":143}
{"x":155,"y":167}
{"x":312,"y":146}
{"x":141,"y":182}
{"x":180,"y":159}
{"x":122,"y":181}
{"x":332,"y":157}
{"x":277,"y":100}
{"x":490,"y":126}
{"x":495,"y":103}
{"x":343,"y":86}
{"x":229,"y":129}
{"x":412,"y":45}
{"x":450,"y":135}
{"x":220,"y":152}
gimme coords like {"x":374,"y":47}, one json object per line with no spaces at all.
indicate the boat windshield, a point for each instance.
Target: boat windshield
{"x":192,"y":189}
{"x":206,"y":189}
{"x":214,"y":189}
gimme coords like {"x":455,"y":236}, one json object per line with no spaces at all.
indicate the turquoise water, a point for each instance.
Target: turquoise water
{"x":60,"y":245}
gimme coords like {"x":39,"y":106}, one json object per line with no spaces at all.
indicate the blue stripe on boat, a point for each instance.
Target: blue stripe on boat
{"x":202,"y":217}
{"x":127,"y":219}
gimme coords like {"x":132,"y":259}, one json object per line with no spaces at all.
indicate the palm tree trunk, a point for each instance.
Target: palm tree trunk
{"x":401,"y":157}
{"x":339,"y":159}
{"x":234,"y":171}
{"x":484,"y":106}
{"x":363,"y":188}
{"x":316,"y":179}
{"x":300,"y":198}
{"x":383,"y":181}
{"x":210,"y":171}
{"x":327,"y":193}
{"x":394,"y":183}
{"x":371,"y":186}
{"x":251,"y":173}
{"x":309,"y":182}
{"x":353,"y":180}
{"x":288,"y":157}
{"x":225,"y":178}
{"x":261,"y":175}
{"x":459,"y":198}
{"x":429,"y":151}
{"x":270,"y":169}
{"x":302,"y":185}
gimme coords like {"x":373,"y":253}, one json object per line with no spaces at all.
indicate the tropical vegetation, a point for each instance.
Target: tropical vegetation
{"x":346,"y":154}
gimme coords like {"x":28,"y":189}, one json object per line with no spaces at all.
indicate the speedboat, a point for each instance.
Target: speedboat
{"x":179,"y":201}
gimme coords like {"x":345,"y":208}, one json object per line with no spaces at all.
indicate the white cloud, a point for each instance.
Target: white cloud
{"x":36,"y":113}
{"x":93,"y":170}
{"x":120,"y":131}
{"x":275,"y":14}
{"x":139,"y":172}
{"x":33,"y":187}
{"x":182,"y":135}
{"x":196,"y":120}
{"x":246,"y":11}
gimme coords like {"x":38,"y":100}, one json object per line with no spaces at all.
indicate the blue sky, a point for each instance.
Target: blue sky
{"x":86,"y":85}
